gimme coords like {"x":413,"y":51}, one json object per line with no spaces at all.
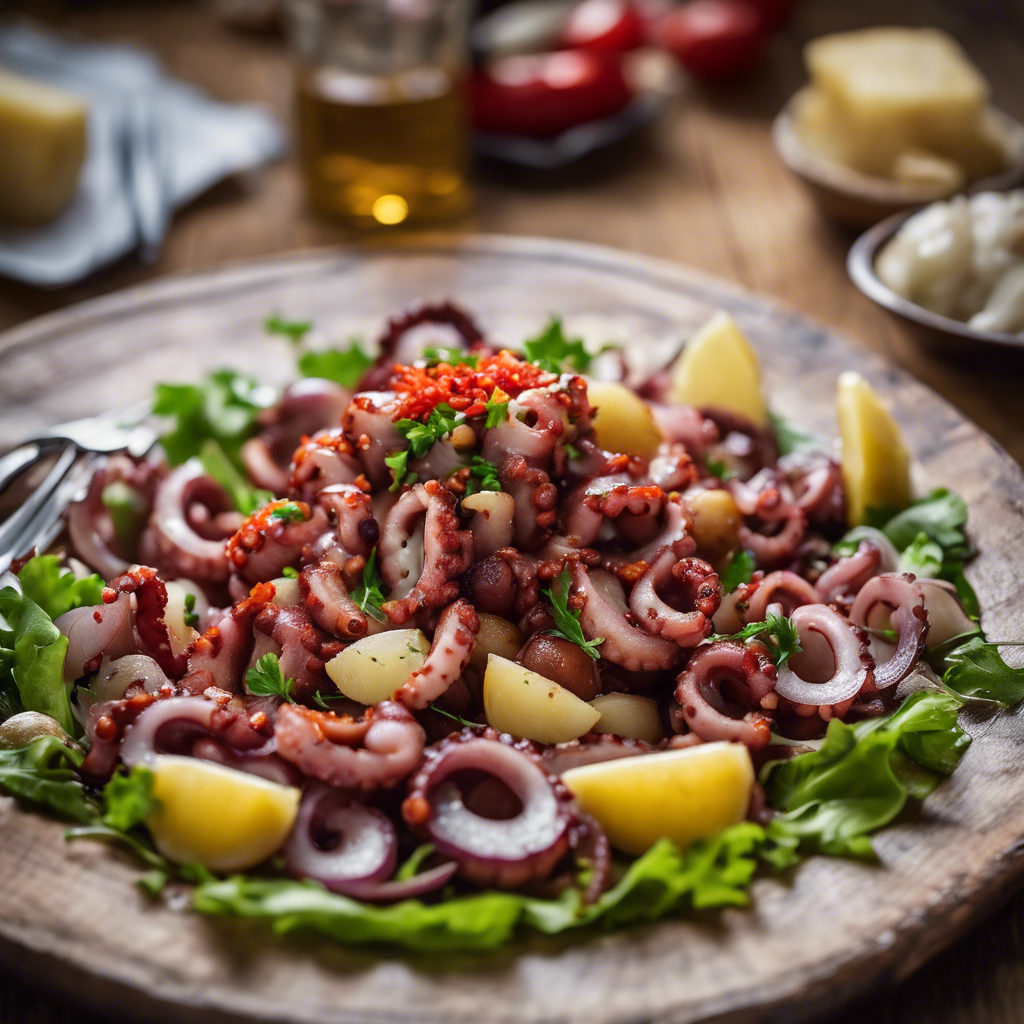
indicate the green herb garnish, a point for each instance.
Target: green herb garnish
{"x":567,"y":620}
{"x":551,"y":350}
{"x":777,"y":633}
{"x":483,"y":476}
{"x":451,"y":356}
{"x":369,"y":594}
{"x":289,"y":512}
{"x":293,"y":330}
{"x":345,"y":366}
{"x":738,"y":570}
{"x":191,"y":616}
{"x":265,"y":679}
{"x":440,"y":422}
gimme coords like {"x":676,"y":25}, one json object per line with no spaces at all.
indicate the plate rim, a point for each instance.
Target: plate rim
{"x":914,"y":938}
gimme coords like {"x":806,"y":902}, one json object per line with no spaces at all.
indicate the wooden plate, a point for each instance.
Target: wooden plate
{"x":70,"y":914}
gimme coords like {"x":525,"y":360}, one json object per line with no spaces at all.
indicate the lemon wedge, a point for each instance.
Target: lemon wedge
{"x":682,"y":795}
{"x":718,"y":369}
{"x":224,"y":819}
{"x":876,"y":464}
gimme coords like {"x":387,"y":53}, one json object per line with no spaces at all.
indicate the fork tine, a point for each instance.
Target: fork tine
{"x":17,"y":523}
{"x":44,"y":527}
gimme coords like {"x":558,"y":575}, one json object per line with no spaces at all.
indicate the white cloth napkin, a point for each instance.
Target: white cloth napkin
{"x":154,"y":144}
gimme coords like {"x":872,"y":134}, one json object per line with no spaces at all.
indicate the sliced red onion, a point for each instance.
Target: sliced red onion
{"x":946,"y":615}
{"x":505,"y":852}
{"x":904,"y":599}
{"x":91,"y":631}
{"x":407,"y":888}
{"x":364,"y":846}
{"x":844,"y":668}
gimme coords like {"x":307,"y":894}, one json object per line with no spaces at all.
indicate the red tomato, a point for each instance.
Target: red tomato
{"x":608,"y":26}
{"x":774,"y":13}
{"x":545,"y":94}
{"x":714,"y":39}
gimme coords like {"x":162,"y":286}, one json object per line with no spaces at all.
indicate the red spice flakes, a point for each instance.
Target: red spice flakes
{"x":465,"y":388}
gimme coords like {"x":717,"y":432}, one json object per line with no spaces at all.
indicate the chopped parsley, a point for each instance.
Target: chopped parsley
{"x":716,"y":467}
{"x":483,"y":476}
{"x":369,"y":595}
{"x":289,"y":512}
{"x":572,"y":451}
{"x":191,"y":616}
{"x":456,"y":718}
{"x":497,"y":411}
{"x":738,"y":570}
{"x":777,"y":633}
{"x":440,"y":422}
{"x":289,"y":572}
{"x":345,"y":366}
{"x":293,"y":330}
{"x":567,"y":620}
{"x":265,"y":679}
{"x":551,"y":350}
{"x":223,"y":408}
{"x":451,"y":356}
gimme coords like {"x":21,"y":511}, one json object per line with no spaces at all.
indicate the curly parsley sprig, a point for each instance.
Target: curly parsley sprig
{"x":265,"y":679}
{"x":777,"y":633}
{"x":567,"y":620}
{"x":369,"y":595}
{"x":440,"y":422}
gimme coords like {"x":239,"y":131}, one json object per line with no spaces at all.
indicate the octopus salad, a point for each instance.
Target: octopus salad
{"x":454,"y":640}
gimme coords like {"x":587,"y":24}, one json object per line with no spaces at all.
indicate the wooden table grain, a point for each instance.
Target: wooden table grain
{"x":702,"y":187}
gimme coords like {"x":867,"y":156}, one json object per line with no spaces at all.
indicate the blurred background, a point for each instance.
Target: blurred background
{"x":168,"y":136}
{"x":654,"y":135}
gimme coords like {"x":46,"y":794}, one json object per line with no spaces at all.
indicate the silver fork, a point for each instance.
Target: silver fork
{"x":78,"y":447}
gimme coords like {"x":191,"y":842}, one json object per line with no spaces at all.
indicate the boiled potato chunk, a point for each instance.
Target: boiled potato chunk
{"x":623,"y":421}
{"x":496,"y":636}
{"x":716,"y":520}
{"x":718,"y":369}
{"x":630,"y":716}
{"x":371,"y":669}
{"x":526,"y":705}
{"x":224,"y":819}
{"x":286,"y":591}
{"x":876,"y":464}
{"x":682,"y":795}
{"x":43,"y":138}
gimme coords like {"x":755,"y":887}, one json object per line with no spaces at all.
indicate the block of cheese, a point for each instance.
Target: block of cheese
{"x":42,"y":147}
{"x":881,"y":93}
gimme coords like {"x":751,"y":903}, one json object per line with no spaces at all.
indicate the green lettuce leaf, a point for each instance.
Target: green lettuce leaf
{"x":244,"y":495}
{"x":224,"y":408}
{"x":43,"y":774}
{"x":343,"y":366}
{"x":55,"y":589}
{"x":790,"y":438}
{"x":712,"y":874}
{"x":932,"y":541}
{"x":977,"y":670}
{"x":32,"y":657}
{"x":861,"y":777}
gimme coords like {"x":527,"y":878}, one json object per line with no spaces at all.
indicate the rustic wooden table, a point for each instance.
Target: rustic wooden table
{"x":703,"y":187}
